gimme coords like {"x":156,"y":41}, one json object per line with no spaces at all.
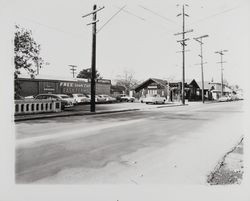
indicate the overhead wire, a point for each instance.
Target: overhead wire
{"x":157,"y":14}
{"x":111,"y":18}
{"x":137,"y":16}
{"x":216,"y":14}
{"x":52,"y":27}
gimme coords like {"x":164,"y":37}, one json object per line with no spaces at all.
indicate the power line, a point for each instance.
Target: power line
{"x":157,"y":14}
{"x":199,"y":40}
{"x":93,"y":55}
{"x":73,"y":69}
{"x":137,"y":16}
{"x":183,"y":43}
{"x":221,"y":53}
{"x":216,"y":14}
{"x":52,"y":27}
{"x":111,"y":18}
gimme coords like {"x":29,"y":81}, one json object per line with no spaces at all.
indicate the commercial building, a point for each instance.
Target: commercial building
{"x":33,"y":87}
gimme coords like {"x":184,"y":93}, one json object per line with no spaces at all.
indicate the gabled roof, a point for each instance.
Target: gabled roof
{"x":161,"y":82}
{"x":194,"y":83}
{"x":207,"y":85}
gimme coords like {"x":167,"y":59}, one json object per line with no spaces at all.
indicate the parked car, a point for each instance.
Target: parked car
{"x":66,"y":101}
{"x":223,"y":99}
{"x":108,"y":99}
{"x":28,"y":97}
{"x":155,"y":99}
{"x":79,"y":98}
{"x":125,"y":98}
{"x":141,"y":99}
{"x":98,"y":99}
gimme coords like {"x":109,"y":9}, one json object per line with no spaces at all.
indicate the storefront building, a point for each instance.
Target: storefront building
{"x":33,"y":87}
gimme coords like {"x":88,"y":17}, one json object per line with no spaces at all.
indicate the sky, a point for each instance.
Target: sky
{"x":140,"y":38}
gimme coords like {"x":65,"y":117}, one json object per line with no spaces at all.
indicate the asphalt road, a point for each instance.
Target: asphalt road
{"x":123,"y":147}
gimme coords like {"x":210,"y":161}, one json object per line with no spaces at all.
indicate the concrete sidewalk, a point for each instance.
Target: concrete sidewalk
{"x":100,"y":109}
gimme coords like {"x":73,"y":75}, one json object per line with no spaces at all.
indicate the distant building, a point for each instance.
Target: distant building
{"x":207,"y":91}
{"x":117,"y":90}
{"x":216,"y":90}
{"x":170,"y":90}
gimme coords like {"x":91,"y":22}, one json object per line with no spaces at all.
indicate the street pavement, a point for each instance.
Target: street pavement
{"x":175,"y":145}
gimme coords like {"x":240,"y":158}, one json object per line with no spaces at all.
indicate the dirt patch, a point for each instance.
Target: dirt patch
{"x":230,"y":169}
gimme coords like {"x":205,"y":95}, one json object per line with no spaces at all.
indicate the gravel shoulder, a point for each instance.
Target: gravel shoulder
{"x":230,"y":169}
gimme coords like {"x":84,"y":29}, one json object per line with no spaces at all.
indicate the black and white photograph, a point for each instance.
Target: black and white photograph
{"x":112,"y":95}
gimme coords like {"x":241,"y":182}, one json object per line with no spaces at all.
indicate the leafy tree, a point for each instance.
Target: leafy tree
{"x":127,"y":80}
{"x":26,"y":54}
{"x":86,"y":74}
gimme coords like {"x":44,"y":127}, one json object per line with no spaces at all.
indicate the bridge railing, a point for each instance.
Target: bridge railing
{"x":36,"y":106}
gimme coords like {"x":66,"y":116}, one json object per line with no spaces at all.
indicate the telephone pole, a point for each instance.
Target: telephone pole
{"x":93,"y":57}
{"x":199,"y":40}
{"x":182,"y":42}
{"x":73,"y":69}
{"x":221,"y":52}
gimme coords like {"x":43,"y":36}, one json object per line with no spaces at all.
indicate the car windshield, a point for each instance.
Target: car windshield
{"x":40,"y":97}
{"x":80,"y":95}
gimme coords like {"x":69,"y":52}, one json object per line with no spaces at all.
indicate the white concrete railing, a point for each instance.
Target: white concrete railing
{"x":36,"y":106}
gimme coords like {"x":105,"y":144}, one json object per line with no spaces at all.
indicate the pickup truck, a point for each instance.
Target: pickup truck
{"x":155,"y":99}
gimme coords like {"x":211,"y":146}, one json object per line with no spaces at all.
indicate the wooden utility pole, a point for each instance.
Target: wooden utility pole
{"x":182,"y":42}
{"x":221,"y":62}
{"x":73,"y":69}
{"x":199,"y":39}
{"x":93,"y":57}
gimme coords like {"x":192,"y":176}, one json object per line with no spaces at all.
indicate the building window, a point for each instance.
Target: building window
{"x":152,"y":92}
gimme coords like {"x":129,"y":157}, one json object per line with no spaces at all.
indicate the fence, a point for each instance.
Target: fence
{"x":36,"y":106}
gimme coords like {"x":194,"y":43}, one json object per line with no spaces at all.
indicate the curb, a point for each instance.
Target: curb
{"x":163,"y":106}
{"x":74,"y":114}
{"x":55,"y":115}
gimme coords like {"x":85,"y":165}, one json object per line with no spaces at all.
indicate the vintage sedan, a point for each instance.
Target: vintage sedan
{"x":79,"y":98}
{"x":66,"y":101}
{"x":107,"y":98}
{"x":125,"y":98}
{"x":98,"y":99}
{"x":155,"y":99}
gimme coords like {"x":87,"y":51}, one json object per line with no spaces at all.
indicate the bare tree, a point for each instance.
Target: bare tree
{"x":127,"y":80}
